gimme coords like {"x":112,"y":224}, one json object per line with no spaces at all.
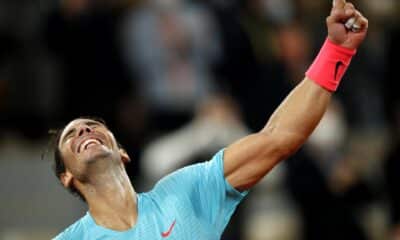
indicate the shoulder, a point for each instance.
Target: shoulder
{"x":190,"y":176}
{"x":75,"y":231}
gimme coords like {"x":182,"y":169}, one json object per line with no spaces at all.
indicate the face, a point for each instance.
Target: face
{"x":83,"y":142}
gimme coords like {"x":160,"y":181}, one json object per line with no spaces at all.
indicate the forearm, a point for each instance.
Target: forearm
{"x":288,"y":128}
{"x":298,"y":115}
{"x":249,"y":159}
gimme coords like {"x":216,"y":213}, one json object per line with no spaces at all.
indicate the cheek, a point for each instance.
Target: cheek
{"x":112,"y":141}
{"x":69,"y":159}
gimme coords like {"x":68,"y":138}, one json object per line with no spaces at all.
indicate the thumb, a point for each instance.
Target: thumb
{"x":339,"y":4}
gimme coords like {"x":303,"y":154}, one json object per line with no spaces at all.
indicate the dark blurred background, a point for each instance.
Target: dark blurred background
{"x":177,"y":80}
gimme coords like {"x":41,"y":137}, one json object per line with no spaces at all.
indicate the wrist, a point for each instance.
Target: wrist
{"x":330,"y":65}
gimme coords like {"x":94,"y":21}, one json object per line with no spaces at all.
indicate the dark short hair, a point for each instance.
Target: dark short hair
{"x":58,"y":165}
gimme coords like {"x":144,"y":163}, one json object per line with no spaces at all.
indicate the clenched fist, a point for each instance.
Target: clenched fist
{"x":352,"y":35}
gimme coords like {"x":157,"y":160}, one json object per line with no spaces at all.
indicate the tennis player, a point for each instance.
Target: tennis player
{"x":196,"y":202}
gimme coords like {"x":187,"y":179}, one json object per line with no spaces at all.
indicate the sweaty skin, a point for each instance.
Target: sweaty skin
{"x":98,"y":171}
{"x":247,"y":161}
{"x":104,"y":182}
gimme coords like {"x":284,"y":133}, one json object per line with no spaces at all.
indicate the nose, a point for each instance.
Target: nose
{"x":84,"y":129}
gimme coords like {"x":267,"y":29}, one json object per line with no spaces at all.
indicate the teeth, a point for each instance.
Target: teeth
{"x":88,"y":142}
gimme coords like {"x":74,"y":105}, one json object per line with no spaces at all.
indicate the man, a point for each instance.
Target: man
{"x":196,"y":202}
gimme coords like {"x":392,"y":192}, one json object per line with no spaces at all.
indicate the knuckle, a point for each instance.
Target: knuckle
{"x":328,"y":19}
{"x":349,"y":6}
{"x":336,"y":12}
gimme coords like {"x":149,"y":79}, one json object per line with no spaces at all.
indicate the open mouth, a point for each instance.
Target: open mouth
{"x":89,"y":143}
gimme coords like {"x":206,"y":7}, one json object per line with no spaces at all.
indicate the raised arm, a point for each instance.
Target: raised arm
{"x":248,"y":160}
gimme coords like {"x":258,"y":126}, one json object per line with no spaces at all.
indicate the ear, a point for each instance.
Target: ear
{"x":66,"y":178}
{"x":124,"y":156}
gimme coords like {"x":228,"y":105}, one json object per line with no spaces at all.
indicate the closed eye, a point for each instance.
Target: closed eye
{"x":71,"y":132}
{"x":68,"y":135}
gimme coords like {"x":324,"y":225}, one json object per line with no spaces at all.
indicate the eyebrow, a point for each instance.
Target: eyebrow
{"x":72,"y":130}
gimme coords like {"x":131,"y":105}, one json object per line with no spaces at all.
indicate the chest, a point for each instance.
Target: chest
{"x":171,"y":219}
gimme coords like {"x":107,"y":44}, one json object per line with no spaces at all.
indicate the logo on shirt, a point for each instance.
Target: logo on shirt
{"x":167,"y":233}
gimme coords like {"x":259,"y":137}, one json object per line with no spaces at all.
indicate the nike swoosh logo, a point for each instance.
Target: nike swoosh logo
{"x":338,"y":64}
{"x":167,"y":233}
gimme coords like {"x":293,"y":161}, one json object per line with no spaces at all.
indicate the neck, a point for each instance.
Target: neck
{"x":111,"y":199}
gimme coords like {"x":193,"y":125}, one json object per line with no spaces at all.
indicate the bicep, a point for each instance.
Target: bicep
{"x":248,"y":160}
